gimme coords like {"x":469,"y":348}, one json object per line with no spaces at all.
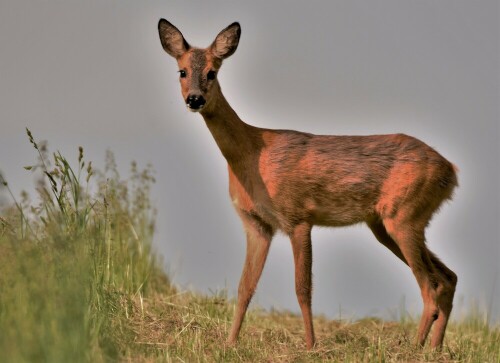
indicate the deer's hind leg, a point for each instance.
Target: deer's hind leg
{"x":410,"y":238}
{"x":409,"y":198}
{"x":445,"y":293}
{"x":439,"y":282}
{"x":259,"y":235}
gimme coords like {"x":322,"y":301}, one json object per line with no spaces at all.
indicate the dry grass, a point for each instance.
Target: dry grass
{"x":184,"y":327}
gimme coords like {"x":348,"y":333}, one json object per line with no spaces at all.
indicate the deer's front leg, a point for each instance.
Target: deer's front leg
{"x":302,"y":253}
{"x":259,"y":235}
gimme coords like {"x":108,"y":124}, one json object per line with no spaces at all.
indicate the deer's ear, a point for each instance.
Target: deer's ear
{"x":226,"y":42}
{"x":171,"y":39}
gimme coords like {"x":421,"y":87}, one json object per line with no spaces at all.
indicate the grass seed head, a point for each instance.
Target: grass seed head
{"x":89,"y":171}
{"x":30,"y":137}
{"x":80,"y":154}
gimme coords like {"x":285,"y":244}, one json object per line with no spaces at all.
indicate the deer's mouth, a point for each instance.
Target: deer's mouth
{"x":194,"y":109}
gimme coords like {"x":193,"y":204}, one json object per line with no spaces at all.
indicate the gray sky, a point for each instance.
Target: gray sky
{"x":93,"y":73}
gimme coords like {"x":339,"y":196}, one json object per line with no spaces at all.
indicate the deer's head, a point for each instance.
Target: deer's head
{"x":198,"y":67}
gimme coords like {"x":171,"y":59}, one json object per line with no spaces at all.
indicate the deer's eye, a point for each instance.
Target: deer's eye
{"x":211,"y":75}
{"x":182,"y":73}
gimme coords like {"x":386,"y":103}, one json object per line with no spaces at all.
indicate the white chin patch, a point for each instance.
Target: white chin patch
{"x":194,"y":109}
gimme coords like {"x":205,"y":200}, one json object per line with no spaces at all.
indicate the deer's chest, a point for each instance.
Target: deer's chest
{"x":250,"y":194}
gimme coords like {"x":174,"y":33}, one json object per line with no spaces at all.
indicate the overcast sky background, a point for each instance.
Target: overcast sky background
{"x":93,"y":73}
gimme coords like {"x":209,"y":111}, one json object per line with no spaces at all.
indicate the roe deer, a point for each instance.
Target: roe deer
{"x":290,"y":181}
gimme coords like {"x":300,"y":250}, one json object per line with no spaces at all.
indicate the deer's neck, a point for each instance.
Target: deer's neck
{"x":236,"y":139}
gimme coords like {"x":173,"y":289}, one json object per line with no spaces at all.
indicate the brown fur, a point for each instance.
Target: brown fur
{"x":290,"y":181}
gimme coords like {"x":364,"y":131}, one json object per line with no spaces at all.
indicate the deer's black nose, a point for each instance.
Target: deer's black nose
{"x":195,"y":102}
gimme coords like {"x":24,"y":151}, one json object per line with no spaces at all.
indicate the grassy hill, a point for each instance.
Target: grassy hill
{"x":80,"y":281}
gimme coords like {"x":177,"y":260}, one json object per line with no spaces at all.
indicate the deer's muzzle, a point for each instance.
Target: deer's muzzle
{"x":195,"y":102}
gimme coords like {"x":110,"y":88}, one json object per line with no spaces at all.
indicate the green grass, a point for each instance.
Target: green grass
{"x":71,"y":263}
{"x":80,"y":281}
